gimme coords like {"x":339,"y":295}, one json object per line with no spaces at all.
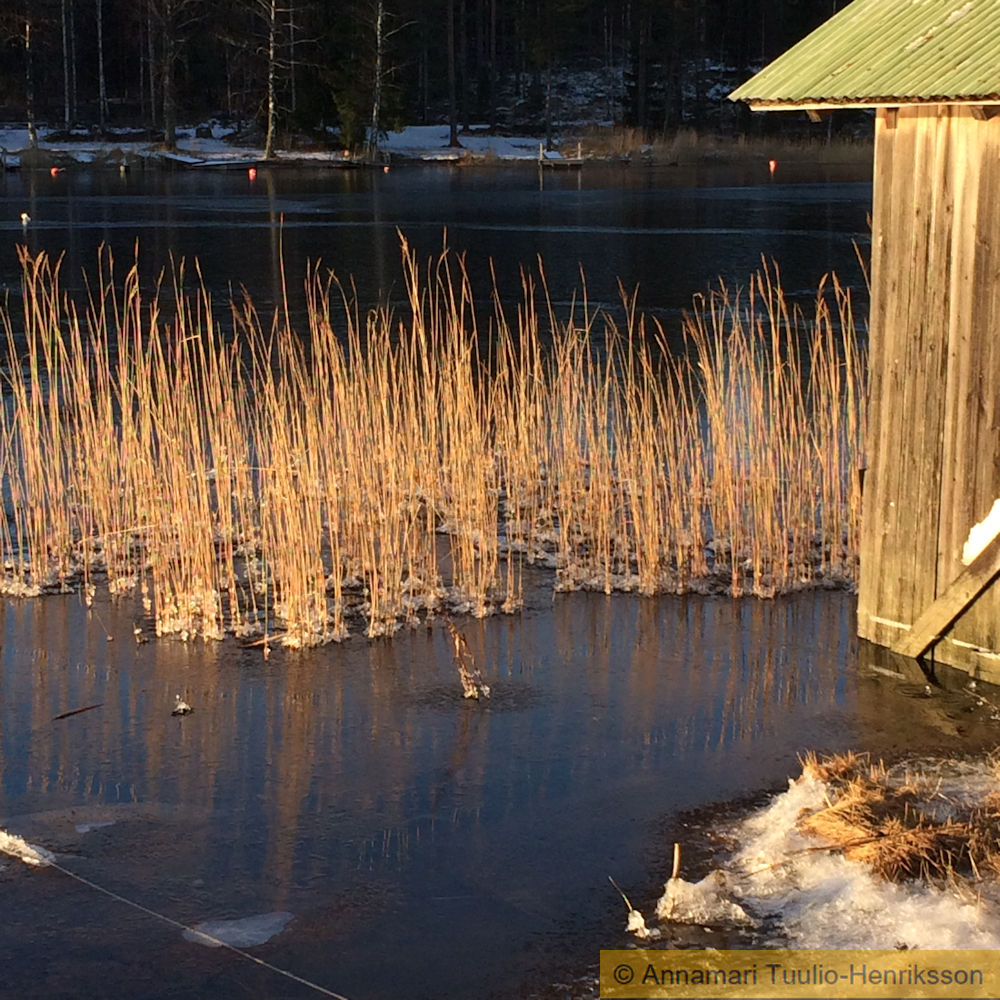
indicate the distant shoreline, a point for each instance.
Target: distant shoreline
{"x":210,"y":149}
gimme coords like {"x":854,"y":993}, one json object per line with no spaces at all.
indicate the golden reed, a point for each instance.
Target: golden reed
{"x":375,"y":469}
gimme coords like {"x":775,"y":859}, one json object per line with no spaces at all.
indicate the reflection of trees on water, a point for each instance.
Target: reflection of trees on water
{"x":354,"y":759}
{"x":705,"y":673}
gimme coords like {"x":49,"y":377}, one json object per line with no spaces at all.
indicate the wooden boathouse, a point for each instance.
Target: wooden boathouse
{"x":930,"y":69}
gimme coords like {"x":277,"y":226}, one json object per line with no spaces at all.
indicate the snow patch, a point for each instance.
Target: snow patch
{"x":87,"y":827}
{"x":30,"y":854}
{"x":981,"y":534}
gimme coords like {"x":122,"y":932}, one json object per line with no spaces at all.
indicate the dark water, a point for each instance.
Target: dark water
{"x":426,"y":846}
{"x":666,"y":231}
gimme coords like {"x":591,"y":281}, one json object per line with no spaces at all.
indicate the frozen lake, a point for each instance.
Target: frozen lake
{"x":460,"y":848}
{"x":345,"y":807}
{"x":666,"y":231}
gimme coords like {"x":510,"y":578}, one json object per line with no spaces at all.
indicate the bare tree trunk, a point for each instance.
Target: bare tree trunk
{"x":463,"y":65}
{"x":425,"y":81}
{"x":229,"y":82}
{"x":452,"y":103}
{"x":272,"y":24}
{"x":102,"y":93}
{"x":642,"y":70}
{"x":140,"y":49}
{"x":373,"y":125}
{"x":291,"y":53}
{"x":73,"y":93}
{"x":29,"y":86}
{"x":65,"y":55}
{"x":151,"y":60}
{"x":493,"y":63}
{"x":169,"y":52}
{"x":548,"y":104}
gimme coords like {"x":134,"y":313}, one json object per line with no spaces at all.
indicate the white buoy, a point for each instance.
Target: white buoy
{"x":182,"y":707}
{"x":25,"y":218}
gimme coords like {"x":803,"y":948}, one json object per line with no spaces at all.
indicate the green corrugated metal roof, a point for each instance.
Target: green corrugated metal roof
{"x":888,"y":52}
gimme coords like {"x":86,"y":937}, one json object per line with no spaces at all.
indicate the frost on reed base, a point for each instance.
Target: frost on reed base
{"x":376,"y":468}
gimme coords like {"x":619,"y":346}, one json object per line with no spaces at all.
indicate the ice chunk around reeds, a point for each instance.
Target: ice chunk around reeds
{"x":637,"y":925}
{"x":704,"y":902}
{"x":30,"y":854}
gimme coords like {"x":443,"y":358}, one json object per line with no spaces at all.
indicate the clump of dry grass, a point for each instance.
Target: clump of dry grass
{"x":375,"y":469}
{"x":901,"y":826}
{"x":689,"y":146}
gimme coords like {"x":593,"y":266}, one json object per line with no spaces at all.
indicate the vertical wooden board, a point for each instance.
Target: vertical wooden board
{"x":964,"y":355}
{"x":987,"y":326}
{"x":894,"y":225}
{"x":891,"y":220}
{"x":923,"y":407}
{"x":873,"y":519}
{"x":911,"y":407}
{"x":977,"y":451}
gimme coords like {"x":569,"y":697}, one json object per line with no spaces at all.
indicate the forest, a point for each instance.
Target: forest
{"x":316,"y":68}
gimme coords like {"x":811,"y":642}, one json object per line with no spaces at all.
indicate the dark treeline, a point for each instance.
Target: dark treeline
{"x":303,"y":65}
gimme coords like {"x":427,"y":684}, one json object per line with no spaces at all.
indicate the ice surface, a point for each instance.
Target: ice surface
{"x":244,"y":933}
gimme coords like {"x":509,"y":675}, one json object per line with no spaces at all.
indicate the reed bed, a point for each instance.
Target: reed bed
{"x":376,"y":469}
{"x":687,"y":146}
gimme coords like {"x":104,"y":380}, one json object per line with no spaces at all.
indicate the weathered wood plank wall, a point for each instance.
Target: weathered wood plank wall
{"x":934,"y":418}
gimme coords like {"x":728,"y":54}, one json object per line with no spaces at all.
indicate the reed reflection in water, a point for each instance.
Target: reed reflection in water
{"x":353,"y":786}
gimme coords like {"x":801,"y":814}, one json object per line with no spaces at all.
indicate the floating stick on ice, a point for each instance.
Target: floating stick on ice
{"x":30,"y":854}
{"x":76,"y":711}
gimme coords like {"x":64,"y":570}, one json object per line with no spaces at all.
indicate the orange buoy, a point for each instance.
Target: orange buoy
{"x":385,"y":169}
{"x":252,"y":173}
{"x":772,"y":165}
{"x":53,"y":171}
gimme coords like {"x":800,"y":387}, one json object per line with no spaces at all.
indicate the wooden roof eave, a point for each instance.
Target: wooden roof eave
{"x":880,"y":102}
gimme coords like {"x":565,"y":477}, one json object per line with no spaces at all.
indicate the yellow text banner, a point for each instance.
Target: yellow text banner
{"x":830,"y":975}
